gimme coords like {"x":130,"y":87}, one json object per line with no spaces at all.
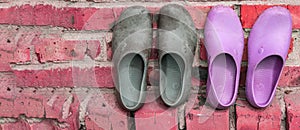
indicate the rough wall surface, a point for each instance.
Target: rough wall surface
{"x":55,"y":70}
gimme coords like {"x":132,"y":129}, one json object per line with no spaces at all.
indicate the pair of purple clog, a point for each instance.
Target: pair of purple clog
{"x":268,"y":46}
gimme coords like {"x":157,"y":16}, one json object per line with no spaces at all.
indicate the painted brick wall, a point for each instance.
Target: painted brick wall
{"x":55,"y":70}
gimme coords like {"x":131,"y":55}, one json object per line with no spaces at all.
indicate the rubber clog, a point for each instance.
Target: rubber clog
{"x":268,"y":45}
{"x":224,"y":43}
{"x":132,"y":40}
{"x":177,"y":40}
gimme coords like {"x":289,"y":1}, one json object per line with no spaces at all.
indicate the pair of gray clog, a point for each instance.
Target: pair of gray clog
{"x":132,"y":42}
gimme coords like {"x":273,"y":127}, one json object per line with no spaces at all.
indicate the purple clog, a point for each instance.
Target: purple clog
{"x":268,"y":46}
{"x":224,"y":42}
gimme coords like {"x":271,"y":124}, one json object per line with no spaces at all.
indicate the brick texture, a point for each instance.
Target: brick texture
{"x":105,"y":113}
{"x":249,"y":13}
{"x":199,"y":115}
{"x":249,"y":118}
{"x":43,"y":87}
{"x":290,"y":77}
{"x":155,"y":114}
{"x":292,"y":106}
{"x":197,"y":120}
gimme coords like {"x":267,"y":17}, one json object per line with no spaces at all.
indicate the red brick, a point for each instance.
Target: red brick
{"x":67,"y":77}
{"x":249,"y":14}
{"x":295,"y":9}
{"x":198,"y":14}
{"x":44,"y":125}
{"x":63,"y":50}
{"x":290,"y":77}
{"x":19,"y":125}
{"x":105,"y":113}
{"x":204,"y":117}
{"x":43,"y":14}
{"x":7,"y":93}
{"x":15,"y":45}
{"x":60,"y":50}
{"x":8,"y":15}
{"x":93,"y":48}
{"x":39,"y":103}
{"x":68,"y":17}
{"x":79,"y":18}
{"x":292,"y":108}
{"x":29,"y":103}
{"x":26,"y":13}
{"x":117,"y":11}
{"x":65,"y":17}
{"x":5,"y":67}
{"x":55,"y":107}
{"x":74,"y":76}
{"x":155,"y":115}
{"x":291,"y":46}
{"x":249,"y":118}
{"x":94,"y":19}
{"x":7,"y":106}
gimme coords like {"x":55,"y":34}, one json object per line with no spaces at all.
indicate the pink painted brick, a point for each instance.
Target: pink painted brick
{"x":212,"y":119}
{"x":26,"y":14}
{"x":290,"y":77}
{"x":65,"y":17}
{"x":29,"y":103}
{"x":8,"y":15}
{"x":60,"y":50}
{"x":251,"y":118}
{"x":79,"y":18}
{"x":93,"y":48}
{"x":19,"y":125}
{"x":94,"y":19}
{"x":44,"y":125}
{"x":7,"y":94}
{"x":105,"y":113}
{"x":155,"y":115}
{"x":66,"y":77}
{"x":292,"y":106}
{"x":249,"y":14}
{"x":43,"y":14}
{"x":198,"y":14}
{"x":294,"y":9}
{"x":35,"y":103}
{"x":6,"y":108}
{"x":64,"y":50}
{"x":68,"y":17}
{"x":15,"y":45}
{"x":55,"y":108}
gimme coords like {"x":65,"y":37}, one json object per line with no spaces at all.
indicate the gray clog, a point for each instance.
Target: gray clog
{"x":177,"y":40}
{"x":132,"y":40}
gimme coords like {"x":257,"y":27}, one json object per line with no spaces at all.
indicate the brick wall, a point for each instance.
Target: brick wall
{"x":55,"y":70}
